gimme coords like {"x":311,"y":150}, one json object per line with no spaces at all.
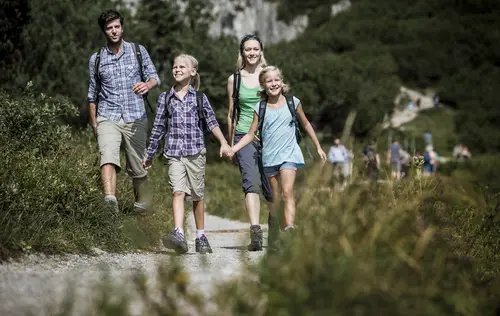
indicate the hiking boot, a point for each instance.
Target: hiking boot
{"x":273,"y":242}
{"x":202,"y":246}
{"x":112,"y":203}
{"x":255,"y":238}
{"x":175,"y":240}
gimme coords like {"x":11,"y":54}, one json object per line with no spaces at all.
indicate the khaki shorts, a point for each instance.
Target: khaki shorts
{"x":187,"y":174}
{"x":109,"y":138}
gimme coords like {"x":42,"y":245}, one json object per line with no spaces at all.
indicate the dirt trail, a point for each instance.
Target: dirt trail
{"x":39,"y":283}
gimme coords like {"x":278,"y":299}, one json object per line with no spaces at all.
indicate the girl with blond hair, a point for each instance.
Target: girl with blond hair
{"x":177,"y":112}
{"x":281,"y":154}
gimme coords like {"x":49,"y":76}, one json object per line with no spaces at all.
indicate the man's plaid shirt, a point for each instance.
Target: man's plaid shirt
{"x":118,"y":73}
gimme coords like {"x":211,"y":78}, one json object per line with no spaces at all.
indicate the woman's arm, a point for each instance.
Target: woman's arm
{"x":247,"y":139}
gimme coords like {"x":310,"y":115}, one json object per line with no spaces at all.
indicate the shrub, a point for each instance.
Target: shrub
{"x":50,"y":196}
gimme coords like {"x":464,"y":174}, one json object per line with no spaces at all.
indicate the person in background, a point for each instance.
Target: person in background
{"x":338,"y":156}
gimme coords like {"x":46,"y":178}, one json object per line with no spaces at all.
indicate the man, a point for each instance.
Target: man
{"x":116,"y":102}
{"x":338,"y":156}
{"x":394,"y":159}
{"x":372,"y":161}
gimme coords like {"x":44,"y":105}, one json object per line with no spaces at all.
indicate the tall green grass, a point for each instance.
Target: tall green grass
{"x":50,"y":193}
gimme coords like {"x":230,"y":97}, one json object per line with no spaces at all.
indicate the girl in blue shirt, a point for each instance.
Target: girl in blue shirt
{"x":281,"y":154}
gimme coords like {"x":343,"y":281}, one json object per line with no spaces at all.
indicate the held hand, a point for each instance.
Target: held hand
{"x":322,"y":155}
{"x":146,"y":164}
{"x":224,"y":150}
{"x":140,"y":88}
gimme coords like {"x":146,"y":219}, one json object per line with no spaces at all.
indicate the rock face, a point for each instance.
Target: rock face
{"x":236,"y":18}
{"x":239,"y":17}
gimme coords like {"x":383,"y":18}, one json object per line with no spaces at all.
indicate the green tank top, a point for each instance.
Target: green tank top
{"x":248,"y":100}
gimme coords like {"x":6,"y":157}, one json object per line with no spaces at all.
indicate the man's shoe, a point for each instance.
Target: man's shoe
{"x":255,"y":238}
{"x":202,"y":246}
{"x":175,"y":240}
{"x":112,"y":203}
{"x":140,"y":208}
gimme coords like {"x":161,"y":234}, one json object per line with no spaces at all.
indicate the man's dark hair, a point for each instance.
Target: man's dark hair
{"x":108,"y":16}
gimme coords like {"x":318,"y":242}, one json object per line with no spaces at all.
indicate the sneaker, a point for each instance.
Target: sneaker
{"x":202,"y":246}
{"x":274,"y":233}
{"x":176,"y":241}
{"x":140,"y":208}
{"x":112,"y":203}
{"x":255,"y":238}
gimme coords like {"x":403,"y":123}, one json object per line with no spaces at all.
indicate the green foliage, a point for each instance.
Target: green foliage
{"x":50,"y":190}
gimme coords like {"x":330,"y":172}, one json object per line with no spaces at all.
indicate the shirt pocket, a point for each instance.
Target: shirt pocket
{"x":132,"y":72}
{"x":105,"y":75}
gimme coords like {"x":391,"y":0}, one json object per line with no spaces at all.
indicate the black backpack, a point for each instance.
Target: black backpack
{"x":291,"y":107}
{"x":138,"y":55}
{"x":202,"y":118}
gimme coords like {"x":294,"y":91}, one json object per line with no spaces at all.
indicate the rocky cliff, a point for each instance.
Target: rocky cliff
{"x":239,"y":17}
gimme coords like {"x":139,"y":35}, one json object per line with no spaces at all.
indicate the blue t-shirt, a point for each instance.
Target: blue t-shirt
{"x":278,"y":137}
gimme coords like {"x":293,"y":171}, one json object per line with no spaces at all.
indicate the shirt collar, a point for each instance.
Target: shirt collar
{"x":191,"y":90}
{"x":124,"y":47}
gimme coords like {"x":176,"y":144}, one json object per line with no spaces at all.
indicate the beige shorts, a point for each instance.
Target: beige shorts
{"x":134,"y":135}
{"x":187,"y":174}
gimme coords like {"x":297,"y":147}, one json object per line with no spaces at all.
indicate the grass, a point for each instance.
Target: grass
{"x":413,"y":248}
{"x":50,"y":195}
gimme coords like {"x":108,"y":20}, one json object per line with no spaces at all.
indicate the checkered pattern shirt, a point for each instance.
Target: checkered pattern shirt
{"x":118,"y":73}
{"x":183,"y":136}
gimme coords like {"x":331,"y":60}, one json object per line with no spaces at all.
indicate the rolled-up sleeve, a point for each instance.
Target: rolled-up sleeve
{"x":159,"y":128}
{"x":91,"y":96}
{"x":148,"y":68}
{"x":209,"y":114}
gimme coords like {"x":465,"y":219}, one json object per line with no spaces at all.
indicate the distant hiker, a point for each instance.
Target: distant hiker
{"x":457,"y":152}
{"x":405,"y":163}
{"x":116,"y":103}
{"x":419,"y":101}
{"x":242,"y":89}
{"x":183,"y":116}
{"x":338,"y":157}
{"x":372,"y":161}
{"x":428,"y":138}
{"x":276,"y":118}
{"x":430,"y":161}
{"x":394,"y":159}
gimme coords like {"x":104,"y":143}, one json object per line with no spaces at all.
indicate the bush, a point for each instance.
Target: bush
{"x":50,"y":196}
{"x":414,"y":249}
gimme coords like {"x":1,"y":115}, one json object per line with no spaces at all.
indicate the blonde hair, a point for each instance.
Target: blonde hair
{"x":196,"y":80}
{"x":262,"y":78}
{"x":241,"y":61}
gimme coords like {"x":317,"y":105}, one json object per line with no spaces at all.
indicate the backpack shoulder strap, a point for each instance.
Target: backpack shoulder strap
{"x":291,"y":107}
{"x":97,"y":78}
{"x":199,"y":105}
{"x":138,"y":56}
{"x":262,"y":114}
{"x":236,"y":95}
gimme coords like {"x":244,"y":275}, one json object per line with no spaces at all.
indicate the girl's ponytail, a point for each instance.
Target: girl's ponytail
{"x":196,"y":81}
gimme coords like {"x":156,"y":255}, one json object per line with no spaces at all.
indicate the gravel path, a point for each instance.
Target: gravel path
{"x":38,"y":283}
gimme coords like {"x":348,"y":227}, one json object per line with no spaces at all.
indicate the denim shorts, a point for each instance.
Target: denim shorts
{"x":275,"y":170}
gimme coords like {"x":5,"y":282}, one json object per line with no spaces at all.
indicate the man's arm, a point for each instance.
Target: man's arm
{"x":92,"y":94}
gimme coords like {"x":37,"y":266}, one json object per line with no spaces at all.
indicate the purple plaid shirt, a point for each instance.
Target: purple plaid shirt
{"x":118,"y":74}
{"x":184,"y":136}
